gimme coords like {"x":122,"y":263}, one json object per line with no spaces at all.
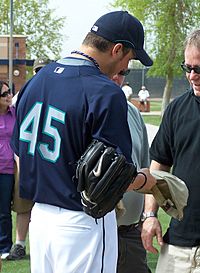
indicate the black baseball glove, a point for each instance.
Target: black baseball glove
{"x":103,"y":176}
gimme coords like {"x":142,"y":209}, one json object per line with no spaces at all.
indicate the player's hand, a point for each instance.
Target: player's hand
{"x":150,"y":228}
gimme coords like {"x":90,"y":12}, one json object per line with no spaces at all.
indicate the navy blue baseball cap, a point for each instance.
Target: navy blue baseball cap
{"x":122,"y":27}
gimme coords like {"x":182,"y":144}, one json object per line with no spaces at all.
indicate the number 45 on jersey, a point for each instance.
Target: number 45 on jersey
{"x":30,"y":126}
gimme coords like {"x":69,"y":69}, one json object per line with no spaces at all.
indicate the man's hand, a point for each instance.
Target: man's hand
{"x":150,"y":228}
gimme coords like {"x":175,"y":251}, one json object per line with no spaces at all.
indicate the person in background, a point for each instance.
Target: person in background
{"x":37,"y":65}
{"x":23,"y":207}
{"x":128,"y":91}
{"x":132,"y":255}
{"x":61,"y":110}
{"x":176,"y":148}
{"x":40,"y":63}
{"x":7,"y":121}
{"x":143,"y":97}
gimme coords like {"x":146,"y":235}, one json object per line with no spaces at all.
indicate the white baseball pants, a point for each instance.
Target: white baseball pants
{"x":65,"y":241}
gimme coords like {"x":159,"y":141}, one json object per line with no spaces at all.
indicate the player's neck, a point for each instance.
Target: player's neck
{"x":86,"y":56}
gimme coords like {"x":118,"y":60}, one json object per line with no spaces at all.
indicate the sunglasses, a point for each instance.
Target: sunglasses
{"x":124,"y":72}
{"x":188,"y":68}
{"x":6,"y":94}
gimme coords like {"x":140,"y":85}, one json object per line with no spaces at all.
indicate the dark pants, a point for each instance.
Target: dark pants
{"x":6,"y":190}
{"x":132,"y":255}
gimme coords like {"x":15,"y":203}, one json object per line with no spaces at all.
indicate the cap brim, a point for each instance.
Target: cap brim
{"x":143,"y":57}
{"x":41,"y":65}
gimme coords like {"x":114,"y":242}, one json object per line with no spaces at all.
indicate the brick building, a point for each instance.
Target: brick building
{"x":19,"y":60}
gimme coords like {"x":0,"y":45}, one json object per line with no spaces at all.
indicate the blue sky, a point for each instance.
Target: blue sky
{"x":81,"y":14}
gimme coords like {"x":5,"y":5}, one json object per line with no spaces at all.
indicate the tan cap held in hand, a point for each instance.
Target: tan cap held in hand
{"x":170,"y":192}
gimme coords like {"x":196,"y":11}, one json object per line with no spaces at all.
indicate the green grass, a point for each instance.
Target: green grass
{"x":155,"y":105}
{"x":152,"y":119}
{"x":22,"y":266}
{"x":152,"y":258}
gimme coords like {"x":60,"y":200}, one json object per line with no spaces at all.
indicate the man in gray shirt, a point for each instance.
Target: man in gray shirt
{"x":132,"y":255}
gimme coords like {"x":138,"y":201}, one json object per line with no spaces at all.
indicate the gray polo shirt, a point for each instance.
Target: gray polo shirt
{"x":134,"y":201}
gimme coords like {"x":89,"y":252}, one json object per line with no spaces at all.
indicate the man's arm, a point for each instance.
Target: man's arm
{"x":143,"y":182}
{"x":151,"y":226}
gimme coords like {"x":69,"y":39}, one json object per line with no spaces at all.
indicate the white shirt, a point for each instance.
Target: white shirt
{"x":127,"y":91}
{"x":14,"y":99}
{"x":143,"y":95}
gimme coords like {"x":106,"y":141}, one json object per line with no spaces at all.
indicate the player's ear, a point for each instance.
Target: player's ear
{"x":117,"y":50}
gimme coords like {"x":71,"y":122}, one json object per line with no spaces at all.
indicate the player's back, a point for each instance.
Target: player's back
{"x":57,"y":114}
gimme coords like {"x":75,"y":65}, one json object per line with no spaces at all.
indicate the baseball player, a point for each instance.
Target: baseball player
{"x":66,"y":105}
{"x":143,"y":95}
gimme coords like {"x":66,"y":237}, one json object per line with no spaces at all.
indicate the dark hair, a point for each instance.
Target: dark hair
{"x":3,"y":83}
{"x":100,"y":43}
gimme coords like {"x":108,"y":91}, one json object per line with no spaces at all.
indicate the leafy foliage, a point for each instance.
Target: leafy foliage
{"x":166,"y":23}
{"x":34,"y":19}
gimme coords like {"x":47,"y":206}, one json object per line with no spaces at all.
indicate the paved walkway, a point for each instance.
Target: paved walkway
{"x":151,"y":131}
{"x":152,"y":113}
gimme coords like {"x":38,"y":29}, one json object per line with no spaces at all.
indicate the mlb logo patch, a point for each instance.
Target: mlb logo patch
{"x":95,"y":28}
{"x":59,"y":70}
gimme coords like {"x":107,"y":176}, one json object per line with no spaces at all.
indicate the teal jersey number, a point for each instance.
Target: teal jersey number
{"x":29,"y":131}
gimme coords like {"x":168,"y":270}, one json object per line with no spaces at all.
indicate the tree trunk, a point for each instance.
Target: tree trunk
{"x":167,"y":93}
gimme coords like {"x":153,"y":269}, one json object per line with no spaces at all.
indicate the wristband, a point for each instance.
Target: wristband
{"x":145,"y":181}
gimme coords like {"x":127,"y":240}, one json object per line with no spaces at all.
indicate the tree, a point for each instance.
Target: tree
{"x":34,"y":19}
{"x":167,"y":23}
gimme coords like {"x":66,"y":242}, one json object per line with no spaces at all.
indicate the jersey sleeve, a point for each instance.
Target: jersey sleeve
{"x":108,"y":116}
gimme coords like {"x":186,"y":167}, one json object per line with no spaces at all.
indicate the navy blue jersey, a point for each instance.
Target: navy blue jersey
{"x":60,"y":111}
